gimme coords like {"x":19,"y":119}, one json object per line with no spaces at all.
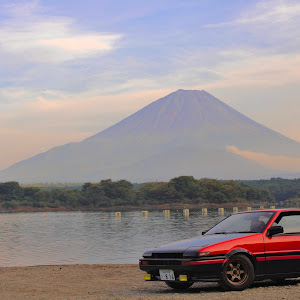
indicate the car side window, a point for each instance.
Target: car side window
{"x":290,"y":223}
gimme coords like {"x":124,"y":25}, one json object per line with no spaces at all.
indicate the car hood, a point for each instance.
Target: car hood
{"x":195,"y":243}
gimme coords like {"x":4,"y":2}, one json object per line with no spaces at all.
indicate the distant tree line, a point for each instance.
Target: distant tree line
{"x":108,"y":193}
{"x":281,"y":189}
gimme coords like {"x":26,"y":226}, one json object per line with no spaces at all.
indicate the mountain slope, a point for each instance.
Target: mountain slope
{"x":184,"y":133}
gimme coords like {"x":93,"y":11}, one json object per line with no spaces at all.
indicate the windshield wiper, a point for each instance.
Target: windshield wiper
{"x":229,"y":232}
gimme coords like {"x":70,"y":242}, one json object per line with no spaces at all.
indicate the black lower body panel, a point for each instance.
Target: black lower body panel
{"x":209,"y":272}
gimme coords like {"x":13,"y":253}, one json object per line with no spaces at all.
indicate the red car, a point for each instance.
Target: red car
{"x":244,"y":247}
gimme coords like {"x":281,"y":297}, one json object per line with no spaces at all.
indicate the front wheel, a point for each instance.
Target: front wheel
{"x":237,"y":273}
{"x":179,"y":285}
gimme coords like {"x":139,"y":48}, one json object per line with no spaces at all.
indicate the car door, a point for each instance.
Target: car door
{"x":283,"y":250}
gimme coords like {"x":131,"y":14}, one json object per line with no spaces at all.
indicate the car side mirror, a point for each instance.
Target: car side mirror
{"x":204,"y":231}
{"x":274,"y":230}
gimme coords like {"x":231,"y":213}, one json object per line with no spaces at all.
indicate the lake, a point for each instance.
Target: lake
{"x":53,"y":238}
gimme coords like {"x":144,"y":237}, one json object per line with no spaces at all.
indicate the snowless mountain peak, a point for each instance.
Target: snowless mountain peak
{"x":180,"y":111}
{"x":184,"y":133}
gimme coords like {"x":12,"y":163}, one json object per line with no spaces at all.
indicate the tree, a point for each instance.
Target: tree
{"x":10,"y":191}
{"x":186,"y":187}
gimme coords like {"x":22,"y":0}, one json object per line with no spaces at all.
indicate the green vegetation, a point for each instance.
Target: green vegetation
{"x":281,"y":189}
{"x":108,"y":193}
{"x":51,"y":186}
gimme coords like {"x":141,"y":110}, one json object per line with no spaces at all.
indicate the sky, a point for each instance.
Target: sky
{"x":70,"y":69}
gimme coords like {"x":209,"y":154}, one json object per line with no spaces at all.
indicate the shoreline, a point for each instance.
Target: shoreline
{"x":120,"y":281}
{"x":146,"y":207}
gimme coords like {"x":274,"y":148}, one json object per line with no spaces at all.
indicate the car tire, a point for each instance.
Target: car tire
{"x":237,"y":273}
{"x":178,"y":285}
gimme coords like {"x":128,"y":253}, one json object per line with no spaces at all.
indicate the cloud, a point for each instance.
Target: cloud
{"x":39,"y":37}
{"x":257,"y":69}
{"x":274,"y":11}
{"x":82,"y":44}
{"x":15,"y":94}
{"x":277,"y":162}
{"x":22,"y":8}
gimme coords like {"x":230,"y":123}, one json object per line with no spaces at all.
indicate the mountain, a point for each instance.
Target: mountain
{"x":184,"y":133}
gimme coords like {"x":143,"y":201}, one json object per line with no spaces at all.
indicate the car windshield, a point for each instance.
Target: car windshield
{"x":250,"y":222}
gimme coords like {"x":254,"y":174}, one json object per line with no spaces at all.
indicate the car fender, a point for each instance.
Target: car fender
{"x":240,"y":251}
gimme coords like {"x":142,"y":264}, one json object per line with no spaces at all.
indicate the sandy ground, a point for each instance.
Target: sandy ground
{"x":119,"y":282}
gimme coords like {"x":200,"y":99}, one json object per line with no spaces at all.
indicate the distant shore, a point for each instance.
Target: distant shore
{"x":119,"y":282}
{"x":174,"y":206}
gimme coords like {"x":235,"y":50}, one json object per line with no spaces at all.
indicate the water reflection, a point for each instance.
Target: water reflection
{"x":97,"y":237}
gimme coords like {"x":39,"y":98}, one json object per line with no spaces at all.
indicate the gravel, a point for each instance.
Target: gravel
{"x":120,"y":282}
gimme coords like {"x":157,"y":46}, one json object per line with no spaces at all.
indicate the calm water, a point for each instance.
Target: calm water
{"x":81,"y":238}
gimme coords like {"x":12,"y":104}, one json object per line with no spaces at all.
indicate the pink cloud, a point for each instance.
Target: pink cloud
{"x":83,"y":44}
{"x":277,"y":162}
